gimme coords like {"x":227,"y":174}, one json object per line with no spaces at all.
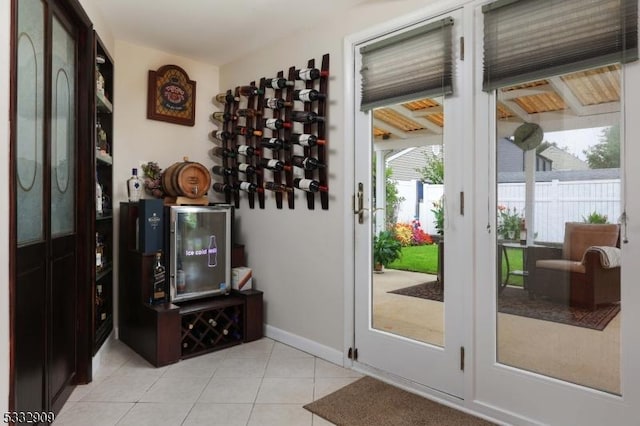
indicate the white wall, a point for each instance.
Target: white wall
{"x":5,"y":29}
{"x":297,"y":255}
{"x":137,"y":139}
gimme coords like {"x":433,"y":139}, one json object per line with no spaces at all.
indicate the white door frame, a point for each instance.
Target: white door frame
{"x":457,"y":224}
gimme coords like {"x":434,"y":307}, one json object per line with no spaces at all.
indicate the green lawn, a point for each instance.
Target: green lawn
{"x":425,"y":259}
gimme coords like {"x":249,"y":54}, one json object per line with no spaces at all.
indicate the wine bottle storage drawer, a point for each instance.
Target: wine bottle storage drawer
{"x":208,"y":328}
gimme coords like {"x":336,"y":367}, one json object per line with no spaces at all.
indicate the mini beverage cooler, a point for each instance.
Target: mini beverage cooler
{"x":199,"y":255}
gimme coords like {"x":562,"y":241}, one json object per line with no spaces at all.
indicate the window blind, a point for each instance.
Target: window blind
{"x":417,"y":63}
{"x":527,"y":40}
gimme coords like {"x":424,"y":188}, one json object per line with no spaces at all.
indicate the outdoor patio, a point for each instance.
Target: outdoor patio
{"x":575,"y":354}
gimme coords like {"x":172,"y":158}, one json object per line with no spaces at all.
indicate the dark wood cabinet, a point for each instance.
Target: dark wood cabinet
{"x":165,"y":333}
{"x":102,"y":188}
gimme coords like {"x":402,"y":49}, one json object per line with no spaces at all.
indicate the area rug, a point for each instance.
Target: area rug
{"x":516,"y":301}
{"x":369,"y":401}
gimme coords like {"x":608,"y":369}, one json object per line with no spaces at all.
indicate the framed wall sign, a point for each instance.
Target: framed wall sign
{"x":171,"y":96}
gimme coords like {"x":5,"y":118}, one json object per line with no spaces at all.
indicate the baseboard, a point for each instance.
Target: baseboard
{"x":314,"y":348}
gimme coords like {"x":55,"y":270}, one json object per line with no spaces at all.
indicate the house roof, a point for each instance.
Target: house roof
{"x":562,"y":160}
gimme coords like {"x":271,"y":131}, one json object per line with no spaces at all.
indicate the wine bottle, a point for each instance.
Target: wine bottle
{"x":310,"y":74}
{"x":158,"y":279}
{"x":218,"y":151}
{"x":306,"y":139}
{"x":248,"y":131}
{"x":225,"y":331}
{"x":307,"y":163}
{"x":279,"y":83}
{"x":246,"y":150}
{"x":247,"y":112}
{"x":249,"y":91}
{"x":273,"y":143}
{"x":277,"y":187}
{"x":246,"y":186}
{"x":309,"y":185}
{"x":226,"y":98}
{"x":212,"y":322}
{"x":247,"y":169}
{"x":134,"y":186}
{"x":223,"y":116}
{"x":276,"y":124}
{"x":221,"y":135}
{"x":221,"y":187}
{"x":99,"y":252}
{"x":276,"y":103}
{"x":306,"y":117}
{"x":307,"y":95}
{"x":222,"y":171}
{"x":99,"y":199}
{"x":272,"y":164}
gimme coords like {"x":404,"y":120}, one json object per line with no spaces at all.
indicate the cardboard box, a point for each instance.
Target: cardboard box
{"x":241,"y":278}
{"x":150,"y":225}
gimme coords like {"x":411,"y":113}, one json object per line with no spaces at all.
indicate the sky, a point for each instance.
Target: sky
{"x":576,"y":141}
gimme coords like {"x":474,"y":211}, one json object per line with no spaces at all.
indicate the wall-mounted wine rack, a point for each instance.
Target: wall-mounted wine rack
{"x":271,"y":137}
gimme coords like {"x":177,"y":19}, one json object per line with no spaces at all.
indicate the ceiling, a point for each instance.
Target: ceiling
{"x":215,"y":31}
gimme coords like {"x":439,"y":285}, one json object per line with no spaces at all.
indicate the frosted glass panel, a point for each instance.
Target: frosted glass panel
{"x":29,"y":122}
{"x":62,"y":131}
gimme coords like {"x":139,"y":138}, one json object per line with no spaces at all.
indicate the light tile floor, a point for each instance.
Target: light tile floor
{"x":259,"y":383}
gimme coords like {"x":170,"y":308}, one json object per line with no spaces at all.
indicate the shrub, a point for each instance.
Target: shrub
{"x":403,"y":233}
{"x":596,"y":217}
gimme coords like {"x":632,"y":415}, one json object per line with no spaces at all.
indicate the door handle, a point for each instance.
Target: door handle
{"x":359,"y":204}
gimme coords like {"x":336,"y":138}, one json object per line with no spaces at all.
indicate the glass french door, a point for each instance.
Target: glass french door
{"x":408,"y":313}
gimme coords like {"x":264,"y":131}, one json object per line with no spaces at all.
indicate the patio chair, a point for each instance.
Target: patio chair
{"x":585,"y":272}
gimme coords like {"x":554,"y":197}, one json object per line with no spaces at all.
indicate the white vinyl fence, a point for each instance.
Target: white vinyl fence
{"x":555,"y":203}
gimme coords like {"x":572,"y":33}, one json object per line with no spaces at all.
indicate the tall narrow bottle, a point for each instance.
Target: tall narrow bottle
{"x":158,"y":279}
{"x":279,"y":83}
{"x":273,"y":143}
{"x":134,"y":186}
{"x":221,"y":187}
{"x":306,"y":163}
{"x":307,"y":95}
{"x":310,"y":74}
{"x":306,"y":117}
{"x":309,"y":185}
{"x":249,"y":91}
{"x":272,"y":164}
{"x":247,"y":169}
{"x":306,"y":139}
{"x":276,"y":124}
{"x":276,"y":103}
{"x":246,"y":186}
{"x":212,"y":251}
{"x":218,"y":151}
{"x":99,"y":203}
{"x":277,"y":187}
{"x":248,"y":131}
{"x":221,"y":135}
{"x":247,"y":112}
{"x":223,"y":116}
{"x":246,"y":150}
{"x":221,"y":171}
{"x":226,"y":98}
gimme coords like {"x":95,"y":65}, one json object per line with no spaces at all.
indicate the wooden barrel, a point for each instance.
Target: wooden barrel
{"x":186,"y":179}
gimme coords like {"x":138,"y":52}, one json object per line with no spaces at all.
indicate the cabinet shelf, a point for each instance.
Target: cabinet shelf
{"x":104,"y":104}
{"x":104,"y":272}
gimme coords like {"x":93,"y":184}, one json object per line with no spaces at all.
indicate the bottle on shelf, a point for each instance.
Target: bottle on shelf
{"x":276,"y":103}
{"x":309,"y":185}
{"x":212,"y":322}
{"x":279,"y":83}
{"x":523,"y":232}
{"x":277,"y":187}
{"x":101,"y":315}
{"x":100,"y":260}
{"x":246,"y":186}
{"x":272,"y":164}
{"x":306,"y":139}
{"x":249,"y":91}
{"x":306,"y":117}
{"x":273,"y":143}
{"x":276,"y":124}
{"x":225,"y":331}
{"x":221,"y":187}
{"x":99,"y":198}
{"x":247,"y":112}
{"x":134,"y":186}
{"x":226,"y":98}
{"x":101,"y":140}
{"x":246,"y":150}
{"x":306,"y":163}
{"x":221,"y":135}
{"x":248,"y":131}
{"x":247,"y":169}
{"x":307,"y":95}
{"x":218,"y":151}
{"x":158,"y":279}
{"x":223,"y":116}
{"x":310,"y":74}
{"x":222,"y":171}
